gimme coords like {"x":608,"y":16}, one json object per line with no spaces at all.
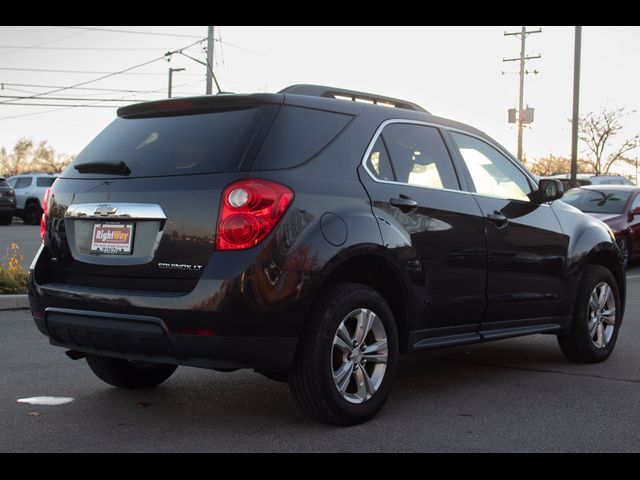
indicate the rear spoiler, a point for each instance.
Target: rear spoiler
{"x":209,"y":103}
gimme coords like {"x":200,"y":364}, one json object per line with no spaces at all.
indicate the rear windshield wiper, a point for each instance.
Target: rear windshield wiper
{"x":117,"y":168}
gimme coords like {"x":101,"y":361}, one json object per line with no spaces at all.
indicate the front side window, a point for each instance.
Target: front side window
{"x":418,"y":156}
{"x":636,"y":203}
{"x":492,"y":173}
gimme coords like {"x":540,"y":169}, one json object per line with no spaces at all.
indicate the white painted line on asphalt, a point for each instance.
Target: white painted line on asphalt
{"x":632,"y":276}
{"x":46,"y":400}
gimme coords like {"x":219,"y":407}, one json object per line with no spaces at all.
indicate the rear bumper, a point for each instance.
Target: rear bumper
{"x":141,"y":338}
{"x":251,"y":328}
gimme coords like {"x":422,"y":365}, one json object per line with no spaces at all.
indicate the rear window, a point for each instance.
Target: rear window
{"x":297,"y":135}
{"x":45,"y":181}
{"x":174,"y":145}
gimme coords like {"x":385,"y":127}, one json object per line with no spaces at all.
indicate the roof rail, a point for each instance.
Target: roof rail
{"x":344,"y":94}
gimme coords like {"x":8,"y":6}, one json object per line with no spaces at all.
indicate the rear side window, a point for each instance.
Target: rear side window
{"x":45,"y":181}
{"x":23,"y":182}
{"x":297,"y":135}
{"x":174,"y":145}
{"x":419,"y":156}
{"x":378,"y":162}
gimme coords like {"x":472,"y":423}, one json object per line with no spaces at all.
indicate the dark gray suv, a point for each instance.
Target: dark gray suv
{"x":313,"y":235}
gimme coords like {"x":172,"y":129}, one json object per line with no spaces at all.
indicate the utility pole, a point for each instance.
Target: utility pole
{"x":209,"y":59}
{"x":171,"y":70}
{"x":522,"y":59}
{"x":576,"y":99}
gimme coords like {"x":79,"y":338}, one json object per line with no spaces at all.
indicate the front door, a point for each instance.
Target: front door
{"x":526,"y":247}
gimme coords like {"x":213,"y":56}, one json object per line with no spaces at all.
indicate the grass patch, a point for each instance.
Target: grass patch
{"x":14,"y":278}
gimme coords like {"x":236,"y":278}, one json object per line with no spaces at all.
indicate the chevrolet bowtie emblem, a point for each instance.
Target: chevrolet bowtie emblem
{"x":105,"y":209}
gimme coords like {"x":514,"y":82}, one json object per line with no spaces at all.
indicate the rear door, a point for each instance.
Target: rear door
{"x":526,"y":246}
{"x":22,"y":189}
{"x":433,"y":230}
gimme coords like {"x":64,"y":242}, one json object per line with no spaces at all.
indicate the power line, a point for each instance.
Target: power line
{"x":97,"y":72}
{"x":80,"y":88}
{"x":137,"y":32}
{"x":49,"y":105}
{"x":110,"y":74}
{"x":44,"y":43}
{"x":69,"y":99}
{"x":128,"y":49}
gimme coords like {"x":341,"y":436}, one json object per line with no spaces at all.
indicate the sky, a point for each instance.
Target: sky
{"x":454,"y":72}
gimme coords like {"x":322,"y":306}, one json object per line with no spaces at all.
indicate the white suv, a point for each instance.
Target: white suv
{"x":30,"y":189}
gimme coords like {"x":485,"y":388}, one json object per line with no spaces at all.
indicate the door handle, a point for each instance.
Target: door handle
{"x":404,"y":203}
{"x":499,"y":219}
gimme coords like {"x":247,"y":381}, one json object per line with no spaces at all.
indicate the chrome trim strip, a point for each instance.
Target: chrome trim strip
{"x":123,"y":211}
{"x":443,"y":127}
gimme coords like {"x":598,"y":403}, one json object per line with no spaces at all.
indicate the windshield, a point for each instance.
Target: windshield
{"x":597,"y":201}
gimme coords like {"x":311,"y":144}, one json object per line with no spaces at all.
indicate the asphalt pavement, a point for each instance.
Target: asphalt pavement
{"x":517,"y":395}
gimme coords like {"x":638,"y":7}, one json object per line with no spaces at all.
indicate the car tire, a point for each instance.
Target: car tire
{"x":32,"y":214}
{"x":596,"y":319}
{"x":127,"y":374}
{"x":340,"y":383}
{"x":5,"y":220}
{"x":625,"y":248}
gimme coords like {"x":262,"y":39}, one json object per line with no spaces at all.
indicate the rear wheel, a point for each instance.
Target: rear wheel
{"x":6,"y":219}
{"x":32,"y":213}
{"x":597,"y":317}
{"x":127,"y":374}
{"x":347,"y":356}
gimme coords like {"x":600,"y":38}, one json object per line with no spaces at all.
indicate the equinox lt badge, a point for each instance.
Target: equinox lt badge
{"x":180,"y":266}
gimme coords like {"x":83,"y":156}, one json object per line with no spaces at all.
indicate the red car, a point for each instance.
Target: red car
{"x":616,"y":205}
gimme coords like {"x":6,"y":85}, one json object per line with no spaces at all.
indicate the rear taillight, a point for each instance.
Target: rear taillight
{"x":249,"y":210}
{"x":43,"y":219}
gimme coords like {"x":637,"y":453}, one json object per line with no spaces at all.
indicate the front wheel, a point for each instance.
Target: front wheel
{"x":596,"y":320}
{"x":347,"y":356}
{"x":127,"y":374}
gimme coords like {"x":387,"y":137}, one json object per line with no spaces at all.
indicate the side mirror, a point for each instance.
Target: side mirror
{"x":549,"y":190}
{"x":635,"y":211}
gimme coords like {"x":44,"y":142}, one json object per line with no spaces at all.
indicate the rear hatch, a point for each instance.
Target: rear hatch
{"x":137,"y":208}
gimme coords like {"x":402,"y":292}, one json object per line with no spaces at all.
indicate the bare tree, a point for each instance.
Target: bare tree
{"x":596,"y":130}
{"x":553,"y":165}
{"x":47,"y":160}
{"x":25,"y":157}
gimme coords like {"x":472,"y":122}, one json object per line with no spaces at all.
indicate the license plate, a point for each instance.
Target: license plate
{"x":112,"y":239}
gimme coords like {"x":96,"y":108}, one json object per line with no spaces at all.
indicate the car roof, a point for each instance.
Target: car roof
{"x":309,"y":96}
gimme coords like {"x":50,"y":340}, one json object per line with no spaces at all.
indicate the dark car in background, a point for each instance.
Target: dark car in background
{"x":313,"y":235}
{"x":7,"y":202}
{"x":616,"y":205}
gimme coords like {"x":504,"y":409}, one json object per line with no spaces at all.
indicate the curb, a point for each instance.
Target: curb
{"x":13,"y":302}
